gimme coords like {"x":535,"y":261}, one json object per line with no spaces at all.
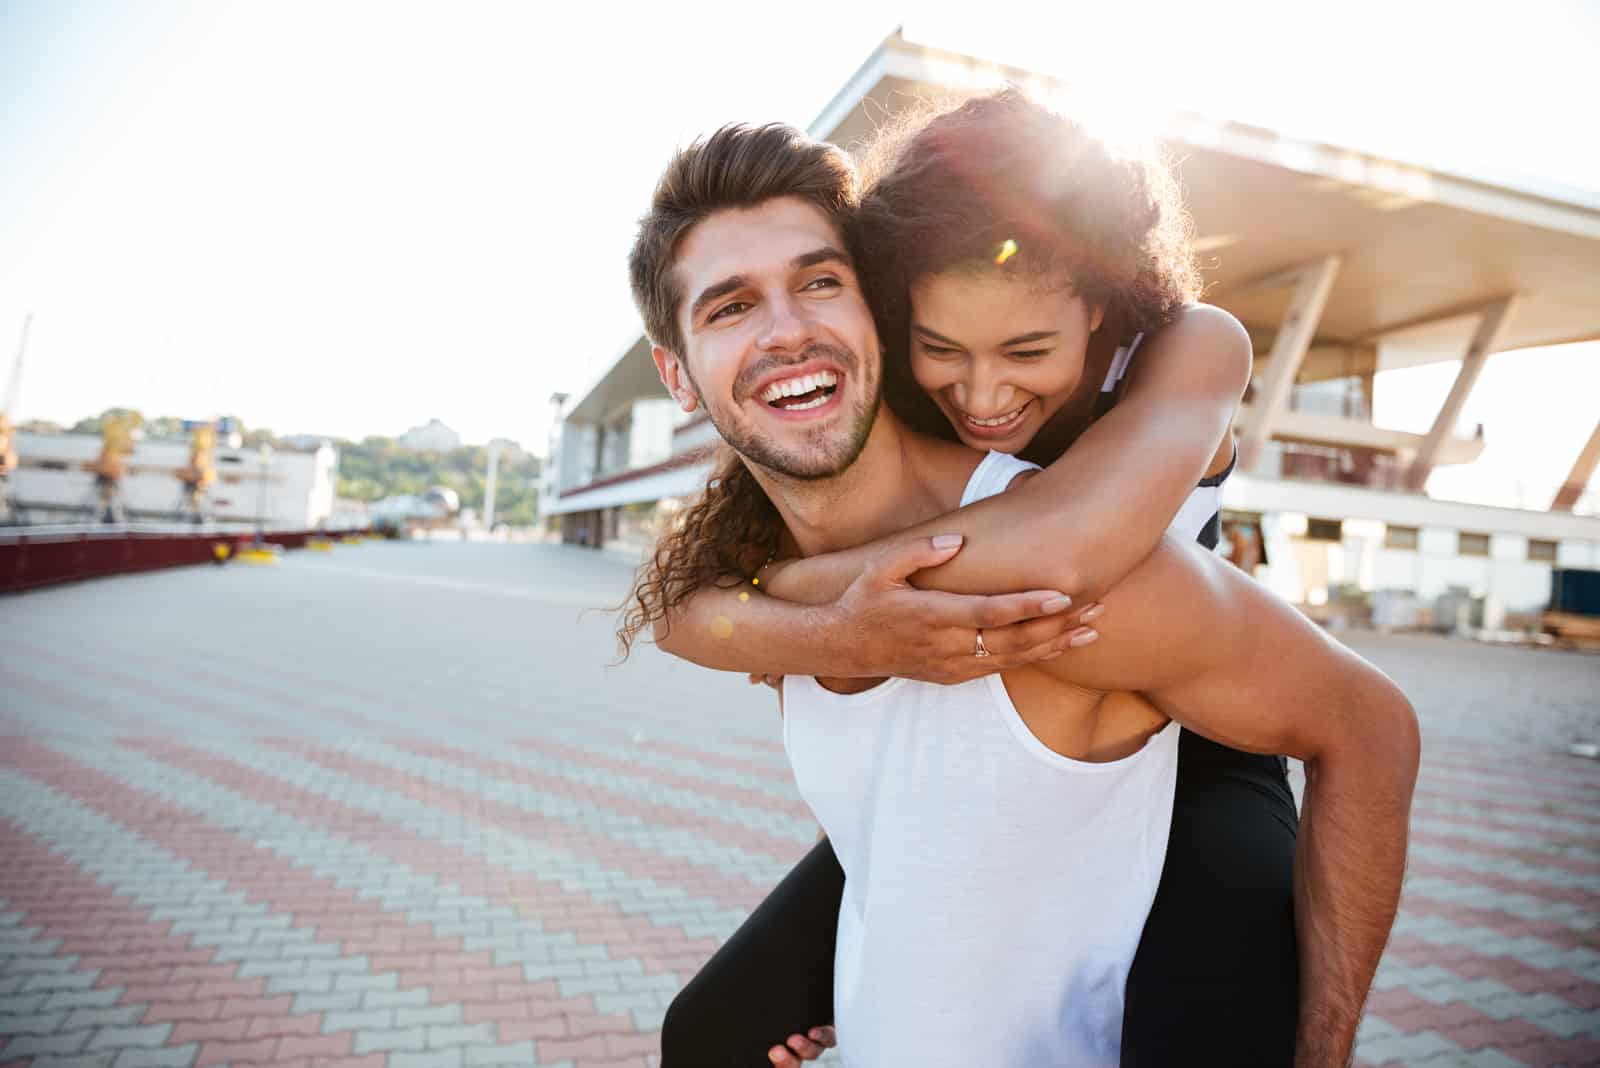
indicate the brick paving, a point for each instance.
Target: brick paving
{"x":390,"y":807}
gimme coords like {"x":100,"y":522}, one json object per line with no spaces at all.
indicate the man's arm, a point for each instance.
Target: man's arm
{"x":880,"y":626}
{"x":1226,"y":658}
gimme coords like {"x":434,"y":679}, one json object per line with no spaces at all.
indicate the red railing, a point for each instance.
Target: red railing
{"x":32,"y":559}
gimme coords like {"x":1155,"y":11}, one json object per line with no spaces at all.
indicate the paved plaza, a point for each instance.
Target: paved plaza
{"x":389,"y":806}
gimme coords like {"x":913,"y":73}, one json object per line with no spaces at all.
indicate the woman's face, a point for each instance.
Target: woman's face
{"x":999,"y":354}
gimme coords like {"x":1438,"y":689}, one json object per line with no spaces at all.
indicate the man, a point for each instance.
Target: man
{"x":746,"y":285}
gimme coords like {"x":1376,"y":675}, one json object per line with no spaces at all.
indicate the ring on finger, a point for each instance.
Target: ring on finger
{"x":981,"y":650}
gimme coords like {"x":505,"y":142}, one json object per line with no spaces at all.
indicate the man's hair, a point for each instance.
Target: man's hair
{"x":739,"y":166}
{"x":733,"y":528}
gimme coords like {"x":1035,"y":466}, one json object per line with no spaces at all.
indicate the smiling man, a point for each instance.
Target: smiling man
{"x":1001,"y":838}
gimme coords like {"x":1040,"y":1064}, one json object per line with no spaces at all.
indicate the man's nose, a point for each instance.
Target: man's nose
{"x":787,"y":326}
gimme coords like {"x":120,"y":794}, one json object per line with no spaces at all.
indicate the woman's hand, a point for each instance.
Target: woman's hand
{"x":807,"y":1047}
{"x":884,"y":626}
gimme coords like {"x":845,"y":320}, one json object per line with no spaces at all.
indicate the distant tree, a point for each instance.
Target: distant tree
{"x":40,"y":426}
{"x":93,"y":424}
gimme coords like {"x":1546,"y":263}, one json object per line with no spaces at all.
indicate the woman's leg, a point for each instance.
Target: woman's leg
{"x":1215,"y":979}
{"x":772,"y":979}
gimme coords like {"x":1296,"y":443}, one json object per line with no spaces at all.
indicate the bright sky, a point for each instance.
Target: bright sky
{"x":348,"y":218}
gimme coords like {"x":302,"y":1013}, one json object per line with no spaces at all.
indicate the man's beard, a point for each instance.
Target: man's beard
{"x":833,"y":450}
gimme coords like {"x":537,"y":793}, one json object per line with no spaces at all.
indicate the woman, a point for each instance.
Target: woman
{"x":1075,"y":345}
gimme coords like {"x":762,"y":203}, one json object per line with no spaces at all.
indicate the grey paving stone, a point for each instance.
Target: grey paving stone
{"x":438,"y":1058}
{"x":110,"y":1016}
{"x":362,"y":1020}
{"x":59,"y":1043}
{"x":424,"y":1017}
{"x":31,"y":1023}
{"x":164,"y":1057}
{"x":440,"y":1037}
{"x":415,"y":998}
{"x":82,"y":999}
{"x":305,"y":1004}
{"x":85,"y":1059}
{"x":123,"y":1037}
{"x":24,"y":1004}
{"x":390,"y":1038}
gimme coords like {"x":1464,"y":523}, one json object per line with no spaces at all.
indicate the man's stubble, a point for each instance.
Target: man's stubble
{"x":833,"y":453}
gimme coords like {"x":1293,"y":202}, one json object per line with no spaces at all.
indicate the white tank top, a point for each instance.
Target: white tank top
{"x":995,"y":891}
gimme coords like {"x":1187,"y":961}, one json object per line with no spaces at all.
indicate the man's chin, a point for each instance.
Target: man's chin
{"x":806,"y":460}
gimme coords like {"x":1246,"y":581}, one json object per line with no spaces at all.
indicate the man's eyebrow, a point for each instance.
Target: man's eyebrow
{"x":716,"y":292}
{"x":1020,"y":339}
{"x":825,"y":254}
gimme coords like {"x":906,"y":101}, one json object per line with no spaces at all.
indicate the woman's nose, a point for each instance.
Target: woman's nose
{"x":984,"y":393}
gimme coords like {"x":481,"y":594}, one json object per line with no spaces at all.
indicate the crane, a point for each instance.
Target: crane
{"x":117,"y":436}
{"x":8,"y":451}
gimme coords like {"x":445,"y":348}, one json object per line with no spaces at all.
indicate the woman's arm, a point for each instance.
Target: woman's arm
{"x":1094,"y":513}
{"x":1103,"y":506}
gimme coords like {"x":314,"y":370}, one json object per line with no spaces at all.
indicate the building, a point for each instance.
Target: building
{"x":280,"y":488}
{"x":1341,"y":264}
{"x":432,"y":436}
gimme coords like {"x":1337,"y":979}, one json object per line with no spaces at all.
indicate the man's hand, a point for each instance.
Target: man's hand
{"x":807,"y":1047}
{"x":884,"y":626}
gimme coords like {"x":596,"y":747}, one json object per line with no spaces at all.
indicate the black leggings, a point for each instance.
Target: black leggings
{"x":1215,"y":978}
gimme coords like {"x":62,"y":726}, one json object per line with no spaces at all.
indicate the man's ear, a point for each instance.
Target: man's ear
{"x":675,"y":378}
{"x":1097,"y":315}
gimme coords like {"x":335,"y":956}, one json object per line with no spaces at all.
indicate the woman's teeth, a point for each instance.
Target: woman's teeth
{"x":999,"y":420}
{"x":822,"y":383}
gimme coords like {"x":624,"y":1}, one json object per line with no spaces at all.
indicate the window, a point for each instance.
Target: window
{"x":1400,"y":538}
{"x":1472,"y":544}
{"x":1542,"y":551}
{"x":1324,"y":530}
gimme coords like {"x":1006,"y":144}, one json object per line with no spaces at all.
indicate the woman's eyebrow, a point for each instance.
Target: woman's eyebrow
{"x":1023,"y":339}
{"x":932,"y":336}
{"x":1020,"y":339}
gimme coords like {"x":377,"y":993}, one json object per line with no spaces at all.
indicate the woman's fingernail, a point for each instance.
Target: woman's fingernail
{"x":947,"y":541}
{"x":1059,"y":603}
{"x":1092,"y":613}
{"x":1083,"y":638}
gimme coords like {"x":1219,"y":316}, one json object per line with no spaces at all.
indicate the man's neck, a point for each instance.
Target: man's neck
{"x":887,"y":489}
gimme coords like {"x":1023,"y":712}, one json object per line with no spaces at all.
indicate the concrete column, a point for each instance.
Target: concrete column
{"x":1582,"y":471}
{"x":1313,"y":282}
{"x":1491,"y":317}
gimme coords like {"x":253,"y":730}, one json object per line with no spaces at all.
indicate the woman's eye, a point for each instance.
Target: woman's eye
{"x":937,"y":350}
{"x":1029,"y":354}
{"x":732,"y":308}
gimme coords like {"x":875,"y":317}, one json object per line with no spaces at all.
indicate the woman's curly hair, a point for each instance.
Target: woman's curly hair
{"x":1000,"y":182}
{"x":729,"y":532}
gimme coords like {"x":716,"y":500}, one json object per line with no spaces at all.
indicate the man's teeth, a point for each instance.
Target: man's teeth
{"x":999,"y":420}
{"x":794,"y":387}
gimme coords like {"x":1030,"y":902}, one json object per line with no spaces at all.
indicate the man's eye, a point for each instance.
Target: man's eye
{"x":1029,"y":354}
{"x":731,"y":308}
{"x":825,"y":282}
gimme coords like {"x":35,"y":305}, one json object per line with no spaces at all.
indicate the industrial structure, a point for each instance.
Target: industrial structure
{"x":118,"y":477}
{"x":1341,"y":264}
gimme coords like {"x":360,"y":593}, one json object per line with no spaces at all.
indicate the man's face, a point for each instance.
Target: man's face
{"x":779,"y":346}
